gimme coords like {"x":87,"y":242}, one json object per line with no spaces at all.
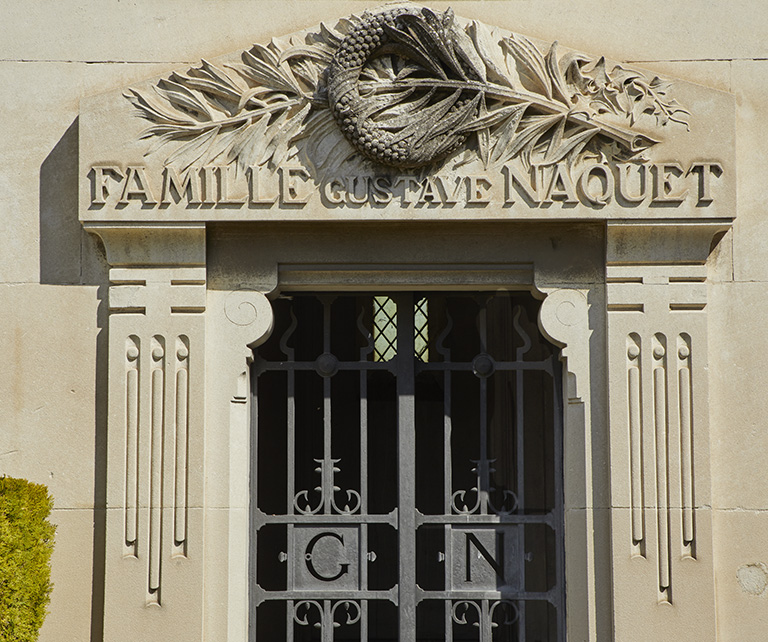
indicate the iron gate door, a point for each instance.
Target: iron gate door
{"x":407,"y":459}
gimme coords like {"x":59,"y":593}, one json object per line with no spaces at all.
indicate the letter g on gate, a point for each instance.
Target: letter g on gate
{"x":343,"y":568}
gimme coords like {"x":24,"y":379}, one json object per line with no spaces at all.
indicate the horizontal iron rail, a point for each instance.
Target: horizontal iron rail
{"x":332,"y":519}
{"x":542,"y":596}
{"x":489,"y":520}
{"x":544,"y":365}
{"x":349,"y":595}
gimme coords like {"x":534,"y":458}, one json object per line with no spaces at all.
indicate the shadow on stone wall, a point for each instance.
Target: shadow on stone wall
{"x":60,"y":230}
{"x":71,"y":256}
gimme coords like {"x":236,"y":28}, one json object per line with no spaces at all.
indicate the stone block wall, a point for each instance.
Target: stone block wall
{"x":54,"y":275}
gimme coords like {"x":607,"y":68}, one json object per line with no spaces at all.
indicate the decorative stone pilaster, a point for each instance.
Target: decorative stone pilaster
{"x":659,"y":434}
{"x":155,"y":460}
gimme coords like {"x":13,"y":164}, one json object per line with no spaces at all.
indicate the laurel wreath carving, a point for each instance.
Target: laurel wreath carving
{"x":405,"y":87}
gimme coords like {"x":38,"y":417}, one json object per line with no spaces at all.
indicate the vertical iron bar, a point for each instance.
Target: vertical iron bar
{"x":485,"y":622}
{"x":448,"y":485}
{"x":559,"y":403}
{"x":364,"y":352}
{"x":448,"y":616}
{"x":520,"y":461}
{"x":327,"y":465}
{"x":253,"y":505}
{"x":289,"y":610}
{"x":484,"y":465}
{"x":291,"y":493}
{"x":364,"y":501}
{"x":406,"y":430}
{"x":447,"y":471}
{"x":363,"y":620}
{"x":447,"y":430}
{"x":291,"y":438}
{"x":447,"y":422}
{"x":364,"y":442}
{"x":291,"y":476}
{"x":482,"y":325}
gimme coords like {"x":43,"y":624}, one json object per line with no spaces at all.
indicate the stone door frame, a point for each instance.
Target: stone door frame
{"x":178,"y":464}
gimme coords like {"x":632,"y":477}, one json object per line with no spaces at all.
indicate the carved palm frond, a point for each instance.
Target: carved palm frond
{"x":250,"y":112}
{"x":404,"y":87}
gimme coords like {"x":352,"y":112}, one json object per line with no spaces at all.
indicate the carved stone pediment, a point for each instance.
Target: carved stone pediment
{"x":403,"y":112}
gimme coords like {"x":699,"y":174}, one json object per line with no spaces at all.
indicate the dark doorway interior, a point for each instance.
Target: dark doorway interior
{"x":407,"y":477}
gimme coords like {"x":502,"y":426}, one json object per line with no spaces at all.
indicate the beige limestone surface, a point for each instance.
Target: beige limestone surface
{"x":53,"y":297}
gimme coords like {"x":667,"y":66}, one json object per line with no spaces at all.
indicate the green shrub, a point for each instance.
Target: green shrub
{"x":26,"y":543}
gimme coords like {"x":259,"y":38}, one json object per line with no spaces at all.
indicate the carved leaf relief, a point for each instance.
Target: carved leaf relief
{"x":405,"y":87}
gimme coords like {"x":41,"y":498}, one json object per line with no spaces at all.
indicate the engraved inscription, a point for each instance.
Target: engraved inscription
{"x":593,"y":185}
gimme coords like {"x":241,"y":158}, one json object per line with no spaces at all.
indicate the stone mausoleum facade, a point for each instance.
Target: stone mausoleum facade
{"x":344,"y":321}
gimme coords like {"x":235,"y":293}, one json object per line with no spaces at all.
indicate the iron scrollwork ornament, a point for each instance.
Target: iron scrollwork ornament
{"x":327,"y":615}
{"x":483,"y":492}
{"x":485,"y":615}
{"x":404,"y":87}
{"x":327,"y":493}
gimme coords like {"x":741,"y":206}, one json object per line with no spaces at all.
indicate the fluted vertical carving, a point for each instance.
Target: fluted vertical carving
{"x":156,"y":416}
{"x":132,"y":354}
{"x":181,"y":446}
{"x":685,"y":392}
{"x":657,"y":329}
{"x":661,"y":458}
{"x":661,"y":431}
{"x":634,"y":396}
{"x":157,"y":429}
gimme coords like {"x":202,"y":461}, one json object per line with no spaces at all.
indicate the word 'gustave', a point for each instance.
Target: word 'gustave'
{"x":594,"y":185}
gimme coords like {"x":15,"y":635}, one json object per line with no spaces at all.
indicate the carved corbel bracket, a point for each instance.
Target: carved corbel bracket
{"x":564,"y":320}
{"x":250,"y":312}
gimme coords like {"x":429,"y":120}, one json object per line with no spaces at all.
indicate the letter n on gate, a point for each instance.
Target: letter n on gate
{"x":497,"y":566}
{"x":484,"y":558}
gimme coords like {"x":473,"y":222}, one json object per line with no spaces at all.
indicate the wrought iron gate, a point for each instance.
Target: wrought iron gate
{"x":407,"y":459}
